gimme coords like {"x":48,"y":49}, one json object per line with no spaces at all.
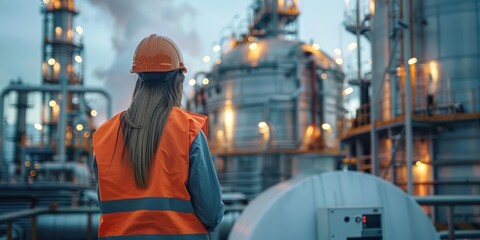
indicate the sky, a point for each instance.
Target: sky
{"x":113,"y":28}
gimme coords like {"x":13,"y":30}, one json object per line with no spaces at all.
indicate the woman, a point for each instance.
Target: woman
{"x":156,"y":178}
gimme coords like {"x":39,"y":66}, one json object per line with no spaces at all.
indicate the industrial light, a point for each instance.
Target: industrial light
{"x":206,"y":59}
{"x":58,"y":30}
{"x":412,"y":61}
{"x":192,"y":82}
{"x":262,"y":125}
{"x":79,"y":127}
{"x":347,"y":91}
{"x":93,"y":113}
{"x":337,"y":51}
{"x":38,"y":126}
{"x":339,"y":61}
{"x":86,"y":134}
{"x":352,"y":46}
{"x":420,"y":165}
{"x":205,"y":81}
{"x":326,"y":126}
{"x":52,"y":103}
{"x":218,"y":61}
{"x":79,"y":30}
{"x":316,"y":46}
{"x":51,"y":61}
{"x":250,"y":39}
{"x":216,"y":48}
{"x":27,"y":163}
{"x":33,"y":173}
{"x":372,"y":7}
{"x":78,"y":59}
{"x":46,"y":1}
{"x":324,"y":75}
{"x":252,"y":46}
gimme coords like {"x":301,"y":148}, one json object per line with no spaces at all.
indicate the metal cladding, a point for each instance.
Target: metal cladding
{"x":274,"y":106}
{"x":433,"y":46}
{"x":334,"y":205}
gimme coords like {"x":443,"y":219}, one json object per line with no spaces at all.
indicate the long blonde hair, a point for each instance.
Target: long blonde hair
{"x":143,"y":122}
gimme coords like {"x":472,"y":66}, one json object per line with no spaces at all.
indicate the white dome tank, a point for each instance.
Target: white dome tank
{"x":334,"y":205}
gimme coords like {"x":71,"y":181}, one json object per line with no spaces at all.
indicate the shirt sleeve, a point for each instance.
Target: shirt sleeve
{"x":95,"y":171}
{"x":203,"y":184}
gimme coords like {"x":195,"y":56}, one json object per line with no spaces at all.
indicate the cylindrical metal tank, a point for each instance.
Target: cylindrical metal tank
{"x":275,"y":110}
{"x":445,"y":94}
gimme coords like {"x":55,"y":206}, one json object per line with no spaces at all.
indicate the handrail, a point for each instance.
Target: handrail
{"x":450,"y":201}
{"x":34,"y":212}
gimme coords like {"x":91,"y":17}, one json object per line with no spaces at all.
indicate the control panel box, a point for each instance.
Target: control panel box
{"x":342,"y":223}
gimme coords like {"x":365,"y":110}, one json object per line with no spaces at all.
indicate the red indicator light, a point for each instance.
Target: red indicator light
{"x":364,"y":219}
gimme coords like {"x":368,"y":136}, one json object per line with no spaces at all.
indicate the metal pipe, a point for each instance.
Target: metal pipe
{"x":34,"y":228}
{"x":313,"y":99}
{"x":408,"y":100}
{"x":80,"y":171}
{"x":448,"y":200}
{"x":9,"y":230}
{"x":42,"y":88}
{"x":468,"y":234}
{"x":451,"y":226}
{"x":89,"y":226}
{"x":62,"y":120}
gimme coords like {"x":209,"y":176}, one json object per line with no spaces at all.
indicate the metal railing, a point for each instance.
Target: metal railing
{"x":451,"y":102}
{"x":9,"y":218}
{"x":451,"y":201}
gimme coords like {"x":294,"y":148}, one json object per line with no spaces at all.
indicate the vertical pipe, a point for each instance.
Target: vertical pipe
{"x":274,"y":22}
{"x":20,"y":130}
{"x":373,"y":107}
{"x":392,"y":157}
{"x":9,"y":230}
{"x":363,"y":85}
{"x":451,"y":225}
{"x":359,"y":154}
{"x":408,"y":100}
{"x":62,"y":122}
{"x":89,"y":226}
{"x":34,"y":227}
{"x":313,"y":101}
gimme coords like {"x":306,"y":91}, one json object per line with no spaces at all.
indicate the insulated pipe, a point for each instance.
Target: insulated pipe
{"x":80,"y":172}
{"x":43,"y":88}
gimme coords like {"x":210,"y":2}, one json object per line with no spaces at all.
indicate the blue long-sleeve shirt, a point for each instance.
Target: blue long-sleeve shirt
{"x":203,"y":185}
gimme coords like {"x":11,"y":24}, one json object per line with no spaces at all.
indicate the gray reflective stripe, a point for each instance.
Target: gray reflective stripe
{"x":160,"y":237}
{"x":148,"y":203}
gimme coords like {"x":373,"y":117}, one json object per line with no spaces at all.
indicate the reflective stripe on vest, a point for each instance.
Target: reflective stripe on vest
{"x":161,"y":211}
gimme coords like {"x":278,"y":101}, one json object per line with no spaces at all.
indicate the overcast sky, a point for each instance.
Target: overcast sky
{"x":112,"y":29}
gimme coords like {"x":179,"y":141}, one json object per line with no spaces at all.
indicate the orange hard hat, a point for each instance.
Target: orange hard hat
{"x":157,"y":54}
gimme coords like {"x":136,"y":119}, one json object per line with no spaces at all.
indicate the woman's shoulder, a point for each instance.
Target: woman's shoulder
{"x":110,"y":121}
{"x":187,"y":114}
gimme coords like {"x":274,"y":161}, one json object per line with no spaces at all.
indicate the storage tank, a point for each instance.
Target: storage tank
{"x":433,"y":45}
{"x":273,"y":102}
{"x":335,"y":205}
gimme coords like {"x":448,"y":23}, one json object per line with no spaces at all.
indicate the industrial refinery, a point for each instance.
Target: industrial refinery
{"x":293,"y":159}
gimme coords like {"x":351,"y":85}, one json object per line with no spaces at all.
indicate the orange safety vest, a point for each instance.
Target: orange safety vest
{"x":164,"y":208}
